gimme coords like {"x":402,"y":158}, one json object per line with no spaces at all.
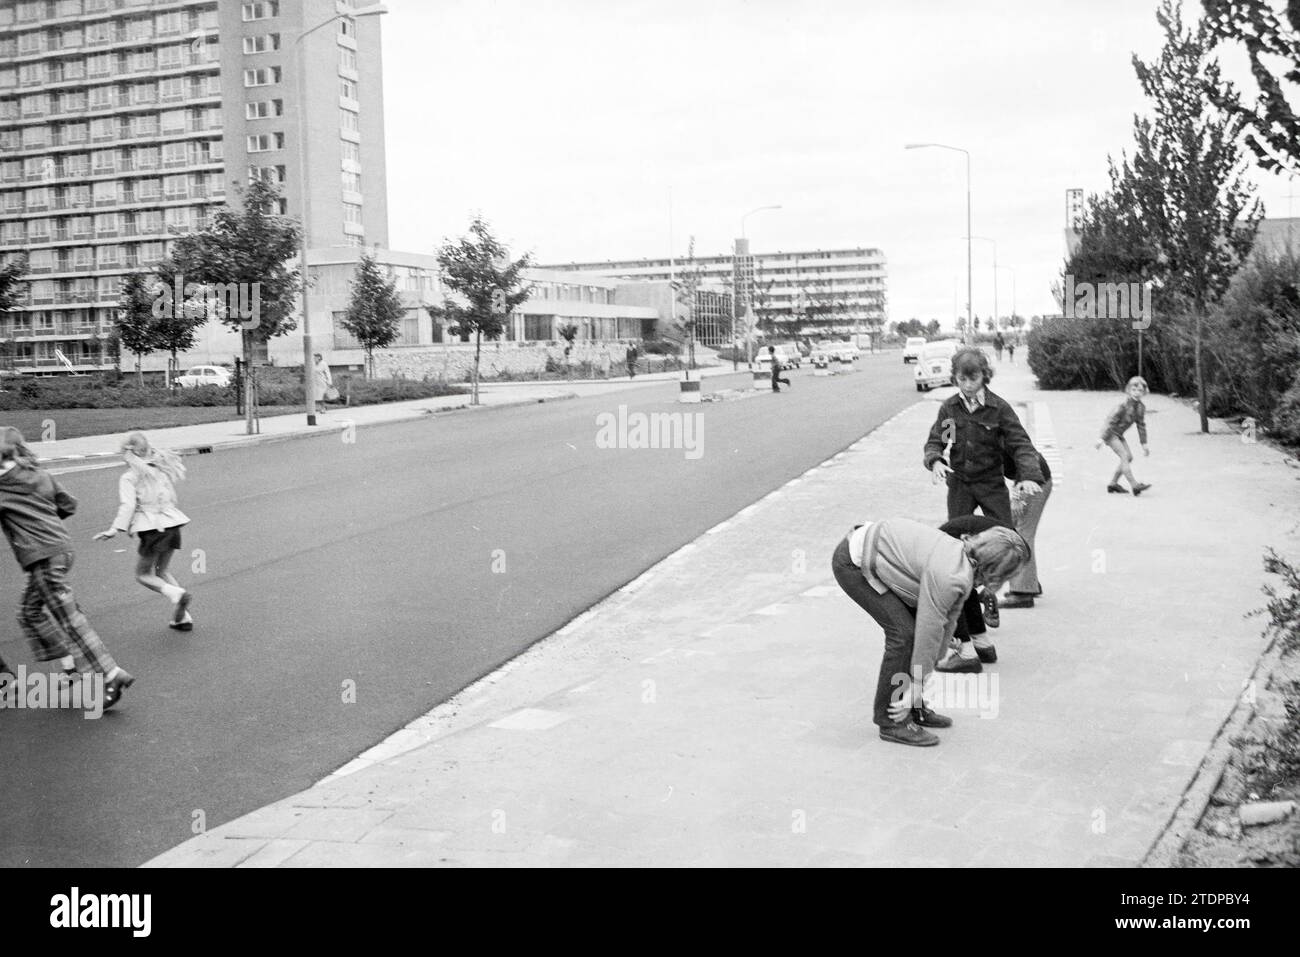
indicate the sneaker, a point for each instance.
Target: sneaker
{"x":987,"y":655}
{"x":185,"y":624}
{"x":1115,"y":487}
{"x":114,"y":687}
{"x":956,"y":664}
{"x":930,"y":719}
{"x":908,"y":732}
{"x":1141,"y":487}
{"x":989,"y":602}
{"x":1017,"y":600}
{"x":179,"y":614}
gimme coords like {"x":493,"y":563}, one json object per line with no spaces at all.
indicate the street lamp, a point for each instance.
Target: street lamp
{"x":735,"y":299}
{"x":986,"y":239}
{"x":373,"y":9}
{"x":957,"y":149}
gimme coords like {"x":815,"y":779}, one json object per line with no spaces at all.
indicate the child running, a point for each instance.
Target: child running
{"x":1128,"y":412}
{"x":147,"y":491}
{"x":32,"y":508}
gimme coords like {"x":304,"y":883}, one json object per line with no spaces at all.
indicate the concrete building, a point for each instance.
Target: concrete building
{"x":124,"y":123}
{"x":793,"y":293}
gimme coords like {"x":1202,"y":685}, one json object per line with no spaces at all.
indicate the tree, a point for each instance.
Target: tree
{"x":1186,"y":179}
{"x":687,"y":288}
{"x":1272,"y":125}
{"x":568,"y":332}
{"x":249,"y":249}
{"x":449,"y":314}
{"x":134,"y":323}
{"x":177,"y":322}
{"x":932,"y":327}
{"x":478,"y":268}
{"x":375,"y":310}
{"x":11,"y":288}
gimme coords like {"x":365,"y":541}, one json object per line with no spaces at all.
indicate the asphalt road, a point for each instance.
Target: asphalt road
{"x":322,"y":565}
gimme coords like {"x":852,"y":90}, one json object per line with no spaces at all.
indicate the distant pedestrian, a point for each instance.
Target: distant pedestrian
{"x":631,"y":361}
{"x":147,"y":508}
{"x":776,"y":370}
{"x":604,"y":362}
{"x":1011,"y":352}
{"x":913,"y":581}
{"x":999,"y":344}
{"x":1129,"y":412}
{"x":322,"y":381}
{"x":32,"y":508}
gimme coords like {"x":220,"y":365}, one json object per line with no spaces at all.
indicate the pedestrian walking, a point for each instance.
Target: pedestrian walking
{"x":1129,"y":412}
{"x":322,"y":381}
{"x":1011,"y":352}
{"x":913,"y":581}
{"x":1027,"y":510}
{"x":980,"y":427}
{"x":776,"y":370}
{"x":32,"y":508}
{"x":147,"y":508}
{"x":631,"y":361}
{"x":999,"y":344}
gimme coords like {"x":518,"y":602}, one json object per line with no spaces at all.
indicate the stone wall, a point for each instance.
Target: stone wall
{"x":454,"y":362}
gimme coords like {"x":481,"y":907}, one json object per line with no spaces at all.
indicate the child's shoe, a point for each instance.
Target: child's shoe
{"x":1116,"y":487}
{"x":1141,"y":487}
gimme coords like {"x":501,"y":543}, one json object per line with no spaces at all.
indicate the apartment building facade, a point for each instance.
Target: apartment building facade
{"x":126,"y":123}
{"x":814,"y":292}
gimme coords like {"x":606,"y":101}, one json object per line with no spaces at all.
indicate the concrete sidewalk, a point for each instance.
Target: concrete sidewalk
{"x":213,"y":436}
{"x":716,"y":710}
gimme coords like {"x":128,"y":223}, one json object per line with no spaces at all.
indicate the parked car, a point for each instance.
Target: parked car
{"x":934,"y":364}
{"x":786,"y":353}
{"x":847,"y":351}
{"x":204,"y":375}
{"x":912,"y":349}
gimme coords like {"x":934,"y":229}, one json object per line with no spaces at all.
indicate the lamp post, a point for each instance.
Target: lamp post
{"x":735,"y":299}
{"x":957,"y":149}
{"x":373,"y":9}
{"x":986,"y":239}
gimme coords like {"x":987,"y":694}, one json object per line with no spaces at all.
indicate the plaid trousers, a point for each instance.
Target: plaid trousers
{"x":51,"y":620}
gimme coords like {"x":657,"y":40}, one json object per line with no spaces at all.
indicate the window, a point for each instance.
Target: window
{"x":263,"y":109}
{"x":74,"y":101}
{"x":171,"y":56}
{"x":263,"y":77}
{"x":347,"y":89}
{"x":347,"y":60}
{"x":176,"y":187}
{"x":262,"y":142}
{"x":352,"y":214}
{"x":262,"y":44}
{"x":175,"y":154}
{"x":351,"y":152}
{"x":347,"y":28}
{"x":167,"y":24}
{"x":349,"y":121}
{"x":173,"y":121}
{"x":172,"y":89}
{"x":146,"y":157}
{"x":141,"y":61}
{"x":352,"y":181}
{"x":101,"y":64}
{"x":260,"y":11}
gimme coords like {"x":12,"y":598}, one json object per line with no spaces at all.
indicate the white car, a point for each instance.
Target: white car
{"x":934,"y":364}
{"x":912,"y":349}
{"x":204,"y":375}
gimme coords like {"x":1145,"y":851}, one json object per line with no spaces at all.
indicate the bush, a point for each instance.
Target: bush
{"x":661,"y":347}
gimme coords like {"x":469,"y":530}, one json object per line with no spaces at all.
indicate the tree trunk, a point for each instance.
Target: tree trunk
{"x":248,"y":382}
{"x":478,"y":348}
{"x":1200,"y":375}
{"x":139,"y":372}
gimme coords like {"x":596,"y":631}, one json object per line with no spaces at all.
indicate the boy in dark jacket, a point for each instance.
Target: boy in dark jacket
{"x":979,"y":425}
{"x":32,"y":509}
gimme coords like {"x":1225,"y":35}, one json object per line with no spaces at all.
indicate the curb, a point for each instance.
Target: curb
{"x":306,"y":433}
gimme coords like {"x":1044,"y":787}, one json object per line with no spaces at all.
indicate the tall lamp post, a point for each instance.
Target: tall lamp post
{"x":994,"y":243}
{"x":735,"y":299}
{"x":957,"y":149}
{"x":372,"y":10}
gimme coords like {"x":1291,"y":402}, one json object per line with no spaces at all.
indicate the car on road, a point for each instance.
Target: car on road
{"x":934,"y":364}
{"x":204,"y":375}
{"x":787,"y":353}
{"x":912,"y":349}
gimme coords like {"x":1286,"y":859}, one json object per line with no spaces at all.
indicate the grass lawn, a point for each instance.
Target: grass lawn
{"x":75,"y":423}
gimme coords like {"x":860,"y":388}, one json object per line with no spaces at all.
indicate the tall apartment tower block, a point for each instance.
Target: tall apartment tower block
{"x":126,"y":123}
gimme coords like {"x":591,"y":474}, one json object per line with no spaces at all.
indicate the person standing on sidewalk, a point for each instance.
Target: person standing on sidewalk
{"x":912,"y":580}
{"x":999,"y":343}
{"x":631,"y":360}
{"x":1132,"y":410}
{"x":776,"y":370}
{"x":32,"y":508}
{"x":322,"y":381}
{"x":1024,"y":586}
{"x":147,"y":507}
{"x":980,"y":426}
{"x":971,"y":649}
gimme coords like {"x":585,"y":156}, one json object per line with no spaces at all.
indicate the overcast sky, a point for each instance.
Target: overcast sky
{"x":570,"y":123}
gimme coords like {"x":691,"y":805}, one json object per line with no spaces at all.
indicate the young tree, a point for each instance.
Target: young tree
{"x":686,"y":289}
{"x":568,"y":332}
{"x":11,"y":287}
{"x":134,"y":324}
{"x":374,"y":311}
{"x":1186,"y":178}
{"x":243,"y":247}
{"x":176,"y":325}
{"x":478,"y":268}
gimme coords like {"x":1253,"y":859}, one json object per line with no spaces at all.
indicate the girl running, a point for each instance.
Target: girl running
{"x":147,"y":491}
{"x":1130,"y":411}
{"x":32,"y":507}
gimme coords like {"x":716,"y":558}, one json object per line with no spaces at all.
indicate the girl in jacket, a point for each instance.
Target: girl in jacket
{"x":147,"y":496}
{"x":1129,"y":412}
{"x":32,"y":509}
